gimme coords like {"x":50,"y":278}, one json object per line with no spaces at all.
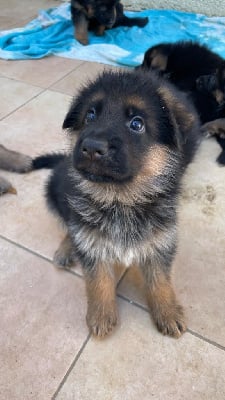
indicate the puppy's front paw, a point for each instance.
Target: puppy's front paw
{"x":214,"y":128}
{"x":170,"y":320}
{"x":100,"y":30}
{"x":6,"y":187}
{"x":63,"y":260}
{"x":101,"y":320}
{"x":166,"y":312}
{"x":65,"y":255}
{"x":21,"y":163}
{"x":83,"y":39}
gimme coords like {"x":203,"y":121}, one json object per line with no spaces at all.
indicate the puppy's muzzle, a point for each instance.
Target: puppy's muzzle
{"x":109,"y":24}
{"x":94,"y":150}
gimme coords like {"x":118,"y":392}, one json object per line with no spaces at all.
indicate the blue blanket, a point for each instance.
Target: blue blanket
{"x":52,"y":33}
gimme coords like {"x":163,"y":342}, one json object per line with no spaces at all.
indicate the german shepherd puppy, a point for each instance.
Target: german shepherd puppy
{"x":198,"y":71}
{"x":132,"y":136}
{"x":15,"y":162}
{"x":183,"y":63}
{"x":98,"y":15}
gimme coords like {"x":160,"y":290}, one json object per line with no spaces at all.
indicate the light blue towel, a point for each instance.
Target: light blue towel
{"x":52,"y":33}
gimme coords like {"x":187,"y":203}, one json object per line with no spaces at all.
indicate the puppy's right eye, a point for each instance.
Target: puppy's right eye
{"x":137,"y":125}
{"x":90,"y":116}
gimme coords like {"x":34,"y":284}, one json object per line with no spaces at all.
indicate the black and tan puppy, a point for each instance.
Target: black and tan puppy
{"x":15,"y":162}
{"x":98,"y":15}
{"x":196,"y":70}
{"x":183,"y":63}
{"x":132,"y":136}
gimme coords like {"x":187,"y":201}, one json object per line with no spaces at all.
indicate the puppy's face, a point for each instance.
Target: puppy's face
{"x":214,"y":84}
{"x":122,"y":126}
{"x":105,"y":12}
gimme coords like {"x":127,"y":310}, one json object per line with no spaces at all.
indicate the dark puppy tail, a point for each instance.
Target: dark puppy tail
{"x":47,"y":160}
{"x":140,"y":22}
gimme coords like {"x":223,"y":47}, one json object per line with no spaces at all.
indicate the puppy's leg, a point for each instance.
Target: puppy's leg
{"x":6,"y":187}
{"x":101,"y":296}
{"x":214,"y":128}
{"x":14,"y":161}
{"x":81,"y":28}
{"x":166,"y":312}
{"x":123,"y":20}
{"x":99,"y":31}
{"x":65,"y":255}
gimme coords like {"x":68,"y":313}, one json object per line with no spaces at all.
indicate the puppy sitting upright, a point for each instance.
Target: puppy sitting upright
{"x":98,"y":15}
{"x":132,"y":136}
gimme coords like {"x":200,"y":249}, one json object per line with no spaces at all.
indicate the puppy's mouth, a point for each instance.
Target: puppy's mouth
{"x":110,"y":24}
{"x":102,"y":173}
{"x":99,"y":178}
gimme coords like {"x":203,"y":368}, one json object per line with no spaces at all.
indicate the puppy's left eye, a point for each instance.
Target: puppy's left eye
{"x":90,"y":116}
{"x":137,"y":124}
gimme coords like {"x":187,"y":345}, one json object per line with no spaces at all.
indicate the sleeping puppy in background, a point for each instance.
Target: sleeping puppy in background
{"x":196,"y":70}
{"x":183,"y":63}
{"x":132,"y":136}
{"x":214,"y":85}
{"x":14,"y":162}
{"x":98,"y":15}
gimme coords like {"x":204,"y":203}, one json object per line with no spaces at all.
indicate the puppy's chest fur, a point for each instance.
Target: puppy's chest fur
{"x":117,"y":233}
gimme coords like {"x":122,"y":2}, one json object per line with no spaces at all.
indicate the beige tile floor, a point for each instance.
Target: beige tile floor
{"x":45,"y":349}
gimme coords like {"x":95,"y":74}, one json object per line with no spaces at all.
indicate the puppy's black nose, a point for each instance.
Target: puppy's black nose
{"x":110,"y":22}
{"x":94,"y":149}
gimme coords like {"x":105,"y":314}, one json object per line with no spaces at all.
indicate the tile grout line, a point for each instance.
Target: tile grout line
{"x":20,"y":246}
{"x":219,"y":346}
{"x":190,"y":331}
{"x":71,"y":367}
{"x":131,"y":302}
{"x":64,"y":76}
{"x":38,"y":86}
{"x":121,"y":278}
{"x":42,"y":90}
{"x":25,"y":103}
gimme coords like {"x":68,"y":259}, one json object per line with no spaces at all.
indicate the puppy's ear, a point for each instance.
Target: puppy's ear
{"x":159,"y":61}
{"x":155,"y":59}
{"x":73,"y":117}
{"x":181,"y":114}
{"x":68,"y":121}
